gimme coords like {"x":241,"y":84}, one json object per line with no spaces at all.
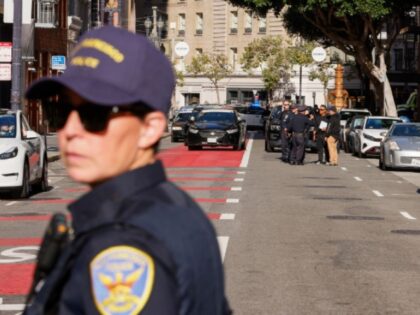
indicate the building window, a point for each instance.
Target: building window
{"x":233,"y":57}
{"x":181,"y":23}
{"x":199,"y":51}
{"x":234,"y":22}
{"x":46,"y":13}
{"x":199,"y":24}
{"x":248,"y":22}
{"x":262,"y":24}
{"x":399,"y":59}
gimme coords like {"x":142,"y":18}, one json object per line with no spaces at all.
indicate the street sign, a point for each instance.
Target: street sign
{"x":319,"y":54}
{"x":5,"y":72}
{"x":58,"y":62}
{"x":182,"y":49}
{"x":5,"y":52}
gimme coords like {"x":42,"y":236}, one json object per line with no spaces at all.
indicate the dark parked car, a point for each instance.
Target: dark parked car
{"x":216,"y":127}
{"x":273,"y":130}
{"x":180,"y":124}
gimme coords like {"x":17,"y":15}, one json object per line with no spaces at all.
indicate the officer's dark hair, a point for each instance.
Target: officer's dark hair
{"x":141,"y":110}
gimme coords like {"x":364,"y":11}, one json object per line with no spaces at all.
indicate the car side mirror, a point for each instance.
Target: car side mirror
{"x":30,"y":134}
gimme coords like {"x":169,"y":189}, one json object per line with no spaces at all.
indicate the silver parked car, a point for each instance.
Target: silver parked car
{"x":401,"y":147}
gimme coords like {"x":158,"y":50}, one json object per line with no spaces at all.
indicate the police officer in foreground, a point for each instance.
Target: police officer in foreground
{"x":298,"y":126}
{"x":285,"y":117}
{"x":140,"y":244}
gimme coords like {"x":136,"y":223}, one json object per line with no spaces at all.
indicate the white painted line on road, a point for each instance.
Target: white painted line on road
{"x":223,"y":244}
{"x":377,"y":193}
{"x":358,"y":179}
{"x":238,"y":180}
{"x":56,"y":187}
{"x":368,"y":165}
{"x":247,"y":154}
{"x":229,"y":200}
{"x":12,"y":307}
{"x":227,"y":216}
{"x":241,"y":173}
{"x":407,"y":215}
{"x":344,"y":169}
{"x":11,"y":203}
{"x":236,"y":188}
{"x":357,"y":159}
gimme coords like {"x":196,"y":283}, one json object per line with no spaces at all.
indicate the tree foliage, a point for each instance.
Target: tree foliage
{"x":215,"y":67}
{"x":354,"y":26}
{"x":269,"y":55}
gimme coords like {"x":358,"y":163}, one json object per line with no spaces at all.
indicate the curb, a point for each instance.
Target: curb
{"x":56,"y":157}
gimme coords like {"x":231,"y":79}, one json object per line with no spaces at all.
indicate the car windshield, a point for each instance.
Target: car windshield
{"x":8,"y":126}
{"x":216,"y":117}
{"x":345,"y":115}
{"x":406,"y":131}
{"x":380,"y":123}
{"x":183,"y":116}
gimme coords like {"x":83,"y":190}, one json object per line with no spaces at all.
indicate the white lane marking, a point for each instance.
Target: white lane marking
{"x":247,"y":154}
{"x":344,"y":169}
{"x":241,"y":173}
{"x":56,"y":187}
{"x":11,"y":203}
{"x":236,"y":188}
{"x":407,"y":215}
{"x":368,"y":165}
{"x":357,"y":159}
{"x":12,"y":307}
{"x":377,"y":193}
{"x":227,"y":216}
{"x":358,"y":179}
{"x":229,"y":200}
{"x":17,"y":254}
{"x":238,"y":180}
{"x":223,"y":244}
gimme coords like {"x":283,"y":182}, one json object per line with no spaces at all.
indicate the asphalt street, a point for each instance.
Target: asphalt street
{"x":309,"y":239}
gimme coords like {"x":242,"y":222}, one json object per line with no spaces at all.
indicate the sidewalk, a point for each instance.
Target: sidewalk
{"x":53,"y":152}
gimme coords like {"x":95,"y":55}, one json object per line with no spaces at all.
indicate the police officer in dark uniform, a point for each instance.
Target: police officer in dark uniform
{"x":285,"y":118}
{"x":140,"y":245}
{"x":298,"y":126}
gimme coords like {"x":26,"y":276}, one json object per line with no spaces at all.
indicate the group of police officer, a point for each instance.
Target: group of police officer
{"x":296,"y":120}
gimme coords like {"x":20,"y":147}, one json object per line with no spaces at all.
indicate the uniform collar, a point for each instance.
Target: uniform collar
{"x":102,"y":204}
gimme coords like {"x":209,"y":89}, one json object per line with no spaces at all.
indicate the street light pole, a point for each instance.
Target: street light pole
{"x":16,"y":56}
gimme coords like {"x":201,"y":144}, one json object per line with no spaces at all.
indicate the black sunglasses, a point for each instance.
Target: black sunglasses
{"x":93,"y":117}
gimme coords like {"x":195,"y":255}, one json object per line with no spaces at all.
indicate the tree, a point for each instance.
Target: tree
{"x":324,"y":73}
{"x":215,"y":67}
{"x":269,"y":55}
{"x":354,"y":26}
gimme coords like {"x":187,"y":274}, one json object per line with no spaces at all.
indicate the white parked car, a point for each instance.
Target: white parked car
{"x":367,"y":140}
{"x":23,"y":157}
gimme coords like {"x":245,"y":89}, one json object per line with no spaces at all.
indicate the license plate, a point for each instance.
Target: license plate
{"x":211,"y":140}
{"x":415,"y":162}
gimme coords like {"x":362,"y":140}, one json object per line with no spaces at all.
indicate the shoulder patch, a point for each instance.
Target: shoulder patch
{"x":122,"y":279}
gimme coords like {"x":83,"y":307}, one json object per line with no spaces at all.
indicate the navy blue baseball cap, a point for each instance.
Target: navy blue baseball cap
{"x":113,"y":67}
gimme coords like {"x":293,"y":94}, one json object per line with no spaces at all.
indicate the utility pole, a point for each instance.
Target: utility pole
{"x":16,"y":92}
{"x":154,"y":34}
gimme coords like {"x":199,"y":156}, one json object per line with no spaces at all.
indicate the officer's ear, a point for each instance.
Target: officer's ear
{"x":152,"y":129}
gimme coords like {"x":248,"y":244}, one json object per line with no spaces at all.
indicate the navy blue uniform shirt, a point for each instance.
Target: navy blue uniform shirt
{"x":171,"y":265}
{"x":299,"y":124}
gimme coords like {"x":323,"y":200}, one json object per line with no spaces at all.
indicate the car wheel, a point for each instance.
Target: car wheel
{"x":25,"y":189}
{"x":360,"y":154}
{"x":268,"y":147}
{"x":42,"y":185}
{"x":382,"y":165}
